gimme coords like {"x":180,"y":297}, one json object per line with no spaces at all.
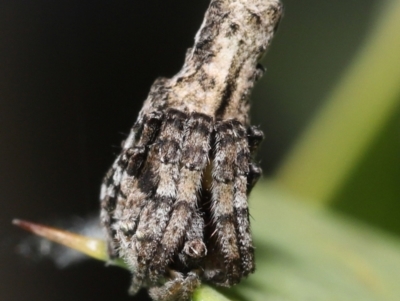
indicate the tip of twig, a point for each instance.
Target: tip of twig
{"x":90,"y":246}
{"x":16,"y":221}
{"x":29,"y":226}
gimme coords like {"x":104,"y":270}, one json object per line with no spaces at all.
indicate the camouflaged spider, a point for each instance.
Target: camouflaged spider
{"x":174,"y":203}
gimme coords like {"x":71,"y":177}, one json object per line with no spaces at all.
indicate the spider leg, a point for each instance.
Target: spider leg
{"x":163,"y":164}
{"x":194,"y":249}
{"x":180,"y":288}
{"x":108,"y":203}
{"x":240,"y":204}
{"x":254,"y":174}
{"x":185,"y":217}
{"x":118,"y":193}
{"x":223,"y":194}
{"x":254,"y":137}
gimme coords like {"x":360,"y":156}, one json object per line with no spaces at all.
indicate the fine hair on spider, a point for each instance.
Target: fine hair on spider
{"x":174,"y":204}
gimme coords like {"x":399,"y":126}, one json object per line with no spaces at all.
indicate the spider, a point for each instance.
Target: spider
{"x":174,"y":203}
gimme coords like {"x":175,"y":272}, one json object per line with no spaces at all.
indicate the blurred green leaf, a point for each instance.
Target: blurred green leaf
{"x":354,"y":114}
{"x":372,"y":191}
{"x":305,"y":253}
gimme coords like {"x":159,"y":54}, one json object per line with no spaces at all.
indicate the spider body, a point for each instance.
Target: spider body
{"x":174,"y":203}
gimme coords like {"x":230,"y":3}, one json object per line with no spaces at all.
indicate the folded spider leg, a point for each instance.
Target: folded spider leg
{"x":120,"y":183}
{"x":240,"y":202}
{"x":222,"y":207}
{"x":108,"y":203}
{"x":254,"y":137}
{"x":185,"y":215}
{"x":163,"y":164}
{"x":194,"y":249}
{"x":133,"y":192}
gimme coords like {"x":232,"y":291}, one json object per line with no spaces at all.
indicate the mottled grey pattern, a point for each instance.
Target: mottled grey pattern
{"x":174,"y":203}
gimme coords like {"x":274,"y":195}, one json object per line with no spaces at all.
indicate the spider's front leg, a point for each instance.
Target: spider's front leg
{"x":122,"y":193}
{"x":233,"y":177}
{"x":243,"y":169}
{"x":184,"y":232}
{"x":254,"y":138}
{"x":161,"y":170}
{"x":222,"y":207}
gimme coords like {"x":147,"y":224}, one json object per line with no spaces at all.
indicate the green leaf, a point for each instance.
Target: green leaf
{"x":305,"y":253}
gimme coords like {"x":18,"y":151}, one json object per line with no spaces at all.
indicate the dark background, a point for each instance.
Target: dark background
{"x":73,"y":75}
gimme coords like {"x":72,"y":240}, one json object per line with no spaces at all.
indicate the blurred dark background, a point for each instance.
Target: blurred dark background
{"x":73,"y":75}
